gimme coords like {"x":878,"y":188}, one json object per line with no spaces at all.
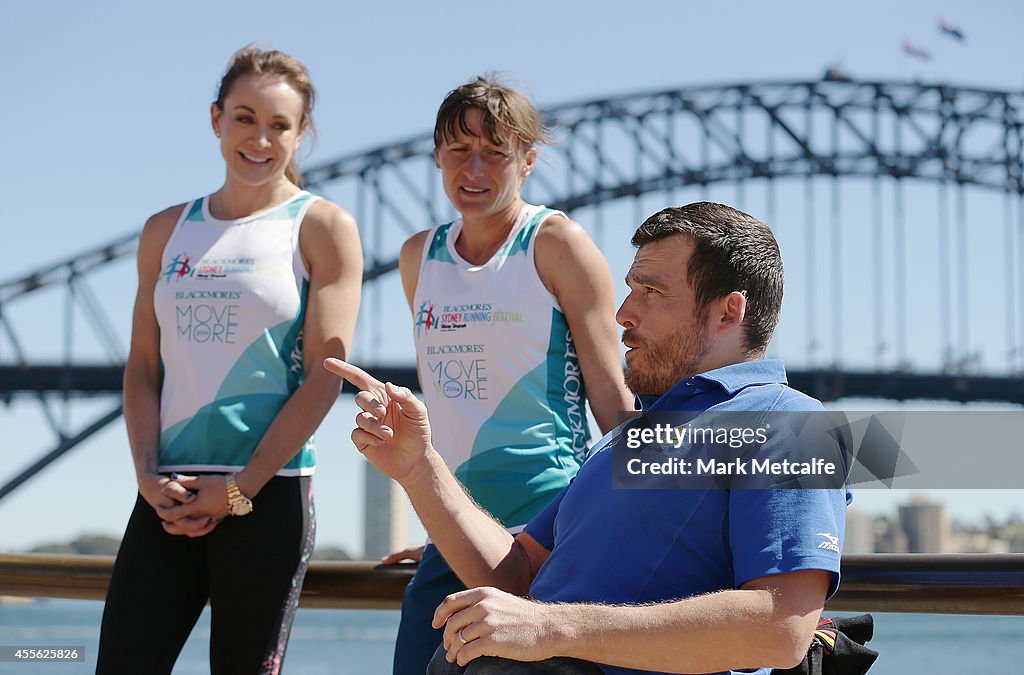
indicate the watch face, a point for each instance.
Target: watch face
{"x":241,"y":508}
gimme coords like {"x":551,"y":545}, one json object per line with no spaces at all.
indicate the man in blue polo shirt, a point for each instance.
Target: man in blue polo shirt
{"x":609,"y":580}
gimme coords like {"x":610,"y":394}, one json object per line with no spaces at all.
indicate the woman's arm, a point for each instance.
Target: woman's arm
{"x":573,"y":269}
{"x":409,"y":261}
{"x":142,"y":379}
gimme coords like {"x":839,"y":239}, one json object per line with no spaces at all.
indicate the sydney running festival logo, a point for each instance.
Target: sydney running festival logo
{"x":178,"y":268}
{"x":425,"y":318}
{"x":215,"y":268}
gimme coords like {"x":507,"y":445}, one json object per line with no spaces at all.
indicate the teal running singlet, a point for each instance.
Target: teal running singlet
{"x":499,"y":371}
{"x":230,"y":303}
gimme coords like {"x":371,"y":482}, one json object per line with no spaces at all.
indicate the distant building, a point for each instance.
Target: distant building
{"x":976,"y":541}
{"x":860,"y":533}
{"x":1013,"y":534}
{"x":386,"y":516}
{"x":890,"y":538}
{"x":925,"y":526}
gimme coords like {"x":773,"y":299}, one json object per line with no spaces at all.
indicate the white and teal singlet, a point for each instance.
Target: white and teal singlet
{"x":230,"y":303}
{"x":499,"y":372}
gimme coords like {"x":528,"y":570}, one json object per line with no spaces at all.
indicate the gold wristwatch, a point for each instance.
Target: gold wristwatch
{"x":238,"y":504}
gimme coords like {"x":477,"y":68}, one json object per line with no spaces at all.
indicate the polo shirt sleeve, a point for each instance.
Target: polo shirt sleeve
{"x":542,"y":526}
{"x":775,"y":531}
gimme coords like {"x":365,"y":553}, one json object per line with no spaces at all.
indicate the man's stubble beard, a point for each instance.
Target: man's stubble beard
{"x":662,"y":366}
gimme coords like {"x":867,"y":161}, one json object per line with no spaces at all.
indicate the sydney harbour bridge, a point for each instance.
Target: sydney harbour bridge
{"x":899,"y":207}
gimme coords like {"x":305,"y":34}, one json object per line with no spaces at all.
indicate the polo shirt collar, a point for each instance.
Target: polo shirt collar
{"x":730,"y":379}
{"x":737,"y":376}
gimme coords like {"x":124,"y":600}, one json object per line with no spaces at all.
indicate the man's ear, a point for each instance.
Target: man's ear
{"x":732,"y":310}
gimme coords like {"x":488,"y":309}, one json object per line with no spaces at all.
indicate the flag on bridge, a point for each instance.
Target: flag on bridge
{"x":952,"y":30}
{"x":911,"y":47}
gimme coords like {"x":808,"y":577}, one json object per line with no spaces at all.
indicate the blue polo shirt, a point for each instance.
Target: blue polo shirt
{"x":632,"y":546}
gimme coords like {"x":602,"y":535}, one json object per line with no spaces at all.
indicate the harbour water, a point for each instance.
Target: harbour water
{"x":350,"y":642}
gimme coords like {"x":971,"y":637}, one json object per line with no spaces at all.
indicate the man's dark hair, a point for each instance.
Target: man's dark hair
{"x":733,"y":251}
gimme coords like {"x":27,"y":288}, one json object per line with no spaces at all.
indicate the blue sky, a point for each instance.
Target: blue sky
{"x":105,"y":113}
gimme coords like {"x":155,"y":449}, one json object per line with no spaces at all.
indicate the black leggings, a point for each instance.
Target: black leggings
{"x":250,"y":568}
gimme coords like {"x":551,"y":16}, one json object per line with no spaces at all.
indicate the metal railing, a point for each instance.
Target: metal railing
{"x":916,"y":583}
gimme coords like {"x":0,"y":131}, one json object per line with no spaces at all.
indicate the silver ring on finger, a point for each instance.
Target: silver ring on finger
{"x":462,"y":637}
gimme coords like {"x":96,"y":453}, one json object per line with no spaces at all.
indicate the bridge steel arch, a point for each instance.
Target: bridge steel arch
{"x":622,"y":148}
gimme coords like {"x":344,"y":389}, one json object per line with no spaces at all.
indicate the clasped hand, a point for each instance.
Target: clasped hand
{"x":489,"y":622}
{"x":187,"y":505}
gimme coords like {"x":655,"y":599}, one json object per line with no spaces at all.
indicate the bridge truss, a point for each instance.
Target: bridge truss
{"x":899,"y":207}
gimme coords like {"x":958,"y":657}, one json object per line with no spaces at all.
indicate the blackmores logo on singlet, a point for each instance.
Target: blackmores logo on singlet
{"x":297,"y":365}
{"x":572,"y":387}
{"x":456,"y":317}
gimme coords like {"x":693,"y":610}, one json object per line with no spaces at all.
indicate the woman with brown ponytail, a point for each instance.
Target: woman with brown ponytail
{"x":242,"y":294}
